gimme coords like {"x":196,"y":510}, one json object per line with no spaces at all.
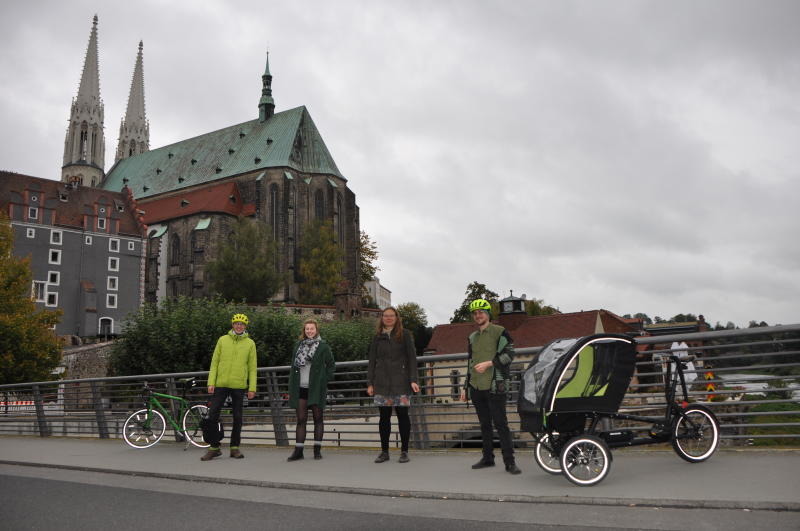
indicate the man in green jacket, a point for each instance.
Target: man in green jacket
{"x":491,"y":351}
{"x":233,"y":370}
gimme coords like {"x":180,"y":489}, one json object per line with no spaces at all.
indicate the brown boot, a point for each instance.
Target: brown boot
{"x":211,"y":454}
{"x":236,"y":454}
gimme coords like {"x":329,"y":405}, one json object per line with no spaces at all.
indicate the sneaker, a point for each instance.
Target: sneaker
{"x":296,"y":455}
{"x":513,"y":469}
{"x":236,"y":454}
{"x":211,"y":454}
{"x":383,"y":456}
{"x":403,"y":458}
{"x":483,"y":463}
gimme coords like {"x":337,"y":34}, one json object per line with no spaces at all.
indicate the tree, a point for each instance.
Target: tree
{"x":416,"y":320}
{"x":475,"y":290}
{"x":29,"y":348}
{"x":320,"y":264}
{"x":536,"y":306}
{"x":245,"y":269}
{"x":179,"y":335}
{"x":367,"y":266}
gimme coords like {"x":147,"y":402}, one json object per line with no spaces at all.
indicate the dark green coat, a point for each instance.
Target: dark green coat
{"x":322,"y":368}
{"x":392,"y":364}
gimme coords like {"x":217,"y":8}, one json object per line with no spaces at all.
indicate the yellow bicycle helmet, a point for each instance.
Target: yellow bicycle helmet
{"x":240,"y":318}
{"x":480,"y":304}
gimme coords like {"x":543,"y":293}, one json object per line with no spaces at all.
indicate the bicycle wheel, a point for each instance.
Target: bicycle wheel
{"x":139,"y":431}
{"x":546,"y":459}
{"x":695,"y":435}
{"x":191,"y":423}
{"x":585,"y":460}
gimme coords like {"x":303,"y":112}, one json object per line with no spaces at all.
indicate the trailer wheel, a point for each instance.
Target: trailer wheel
{"x":545,"y":458}
{"x":585,"y":460}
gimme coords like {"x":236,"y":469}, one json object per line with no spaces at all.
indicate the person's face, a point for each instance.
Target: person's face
{"x":389,"y":318}
{"x":480,"y":317}
{"x":310,"y":330}
{"x":239,"y":327}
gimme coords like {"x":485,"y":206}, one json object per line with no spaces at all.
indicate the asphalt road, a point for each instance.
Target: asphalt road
{"x":46,"y":498}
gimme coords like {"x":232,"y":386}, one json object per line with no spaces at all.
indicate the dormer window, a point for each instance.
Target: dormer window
{"x":257,"y":160}
{"x":218,"y":169}
{"x":63,"y":197}
{"x":194,"y":161}
{"x":170,"y":155}
{"x":33,"y":213}
{"x":231,"y":151}
{"x":158,"y":171}
{"x":101,"y":223}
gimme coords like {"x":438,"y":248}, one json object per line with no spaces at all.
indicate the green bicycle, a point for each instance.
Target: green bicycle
{"x":146,"y":427}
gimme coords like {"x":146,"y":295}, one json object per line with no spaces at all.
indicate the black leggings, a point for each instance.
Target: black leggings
{"x":302,"y":419}
{"x":385,"y":426}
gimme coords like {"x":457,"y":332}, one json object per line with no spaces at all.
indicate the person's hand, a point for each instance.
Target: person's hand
{"x":482,"y":366}
{"x":415,"y":387}
{"x":211,"y":389}
{"x":251,"y":395}
{"x":370,"y":390}
{"x":463,"y":395}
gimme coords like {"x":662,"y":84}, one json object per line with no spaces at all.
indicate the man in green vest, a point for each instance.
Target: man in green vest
{"x":233,"y":372}
{"x":491,"y":352}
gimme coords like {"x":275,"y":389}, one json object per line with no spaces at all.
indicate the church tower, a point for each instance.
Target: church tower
{"x":134,"y":131}
{"x":84,"y":145}
{"x":266,"y":105}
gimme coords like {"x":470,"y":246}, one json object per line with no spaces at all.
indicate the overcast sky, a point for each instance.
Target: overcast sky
{"x":633,"y":156}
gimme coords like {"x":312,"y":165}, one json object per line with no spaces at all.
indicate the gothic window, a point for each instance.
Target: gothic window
{"x":319,"y":205}
{"x":339,"y":214}
{"x":175,"y":250}
{"x":274,"y":215}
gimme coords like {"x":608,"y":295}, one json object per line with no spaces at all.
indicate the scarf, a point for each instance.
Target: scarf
{"x":305,"y":352}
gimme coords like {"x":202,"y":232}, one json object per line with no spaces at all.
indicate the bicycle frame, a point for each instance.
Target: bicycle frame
{"x":152,"y":402}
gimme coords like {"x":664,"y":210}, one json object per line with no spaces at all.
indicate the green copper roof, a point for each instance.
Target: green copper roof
{"x":287,"y":139}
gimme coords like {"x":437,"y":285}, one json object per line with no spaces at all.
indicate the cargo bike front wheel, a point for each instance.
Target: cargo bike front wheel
{"x":585,"y":460}
{"x":695,"y":434}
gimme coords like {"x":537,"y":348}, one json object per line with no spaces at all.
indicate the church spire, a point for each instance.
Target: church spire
{"x":266,"y":105}
{"x":134,"y":130}
{"x":84,"y":145}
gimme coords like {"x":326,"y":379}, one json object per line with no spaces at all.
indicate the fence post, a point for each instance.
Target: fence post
{"x":97,"y":401}
{"x":419,"y":424}
{"x":173,"y":408}
{"x":275,"y":406}
{"x":44,"y":429}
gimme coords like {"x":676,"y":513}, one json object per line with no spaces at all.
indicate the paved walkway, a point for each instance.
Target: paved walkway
{"x":746,"y":479}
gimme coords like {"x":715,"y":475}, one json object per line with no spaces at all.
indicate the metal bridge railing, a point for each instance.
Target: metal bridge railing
{"x":750,"y":378}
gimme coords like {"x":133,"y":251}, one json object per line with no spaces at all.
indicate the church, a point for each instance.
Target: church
{"x":275,"y":168}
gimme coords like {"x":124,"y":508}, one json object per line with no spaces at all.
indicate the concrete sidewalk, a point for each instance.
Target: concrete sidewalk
{"x":738,"y":479}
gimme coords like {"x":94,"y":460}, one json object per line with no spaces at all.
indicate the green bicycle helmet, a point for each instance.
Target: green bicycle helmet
{"x":480,"y":304}
{"x":240,"y":318}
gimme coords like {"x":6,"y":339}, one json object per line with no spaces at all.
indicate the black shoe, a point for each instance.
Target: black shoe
{"x":317,"y":452}
{"x":383,"y":456}
{"x":403,"y":458}
{"x":297,"y":454}
{"x":483,"y":463}
{"x":513,"y":469}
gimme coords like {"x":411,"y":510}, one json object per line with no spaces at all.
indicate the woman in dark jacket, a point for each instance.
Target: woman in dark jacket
{"x":312,"y":367}
{"x":391,"y":377}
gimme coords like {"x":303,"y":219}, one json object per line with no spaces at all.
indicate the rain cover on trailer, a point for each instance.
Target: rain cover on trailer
{"x":587,"y":374}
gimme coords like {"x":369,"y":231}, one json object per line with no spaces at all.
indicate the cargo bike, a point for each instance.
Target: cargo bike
{"x":574,"y":386}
